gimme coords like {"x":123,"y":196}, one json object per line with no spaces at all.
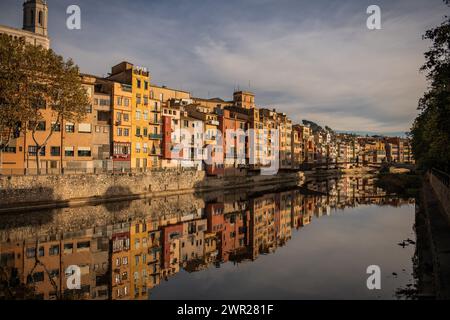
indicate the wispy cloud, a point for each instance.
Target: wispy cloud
{"x":314,"y":60}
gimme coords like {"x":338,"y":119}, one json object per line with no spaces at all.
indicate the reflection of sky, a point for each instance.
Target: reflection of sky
{"x":327,"y":259}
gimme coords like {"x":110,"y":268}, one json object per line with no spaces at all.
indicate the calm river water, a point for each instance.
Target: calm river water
{"x":314,"y":242}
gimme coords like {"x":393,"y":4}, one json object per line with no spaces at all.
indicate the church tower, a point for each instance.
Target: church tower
{"x":35,"y":13}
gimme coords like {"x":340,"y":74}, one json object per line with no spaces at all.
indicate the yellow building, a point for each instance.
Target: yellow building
{"x":145,"y":116}
{"x":244,"y":99}
{"x":145,"y":258}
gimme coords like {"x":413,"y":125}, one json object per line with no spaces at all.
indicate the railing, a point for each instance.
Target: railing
{"x":155,"y":136}
{"x":442,"y":176}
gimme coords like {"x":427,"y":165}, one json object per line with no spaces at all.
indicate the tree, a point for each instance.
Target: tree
{"x":36,"y":85}
{"x":14,"y":80}
{"x":430,"y":132}
{"x":61,"y":89}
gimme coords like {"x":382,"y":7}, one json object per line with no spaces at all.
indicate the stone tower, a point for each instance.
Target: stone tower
{"x":35,"y":14}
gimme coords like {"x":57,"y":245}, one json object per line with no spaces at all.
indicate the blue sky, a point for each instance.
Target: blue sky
{"x":314,"y":60}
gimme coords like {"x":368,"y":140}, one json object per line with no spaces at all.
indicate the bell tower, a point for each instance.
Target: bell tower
{"x":35,"y":14}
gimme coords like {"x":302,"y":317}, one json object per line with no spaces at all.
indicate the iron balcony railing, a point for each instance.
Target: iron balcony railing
{"x":155,"y":136}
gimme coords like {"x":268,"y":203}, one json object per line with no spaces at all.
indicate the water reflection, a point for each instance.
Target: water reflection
{"x":126,"y":250}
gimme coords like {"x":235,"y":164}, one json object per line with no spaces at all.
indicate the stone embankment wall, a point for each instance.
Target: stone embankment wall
{"x":17,"y":190}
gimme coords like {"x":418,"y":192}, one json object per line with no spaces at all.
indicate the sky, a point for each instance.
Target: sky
{"x":314,"y":60}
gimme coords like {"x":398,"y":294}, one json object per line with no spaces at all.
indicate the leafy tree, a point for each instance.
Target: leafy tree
{"x":14,"y":83}
{"x":38,"y":85}
{"x":430,"y":132}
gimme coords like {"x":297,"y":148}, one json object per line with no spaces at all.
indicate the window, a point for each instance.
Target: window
{"x":31,"y":252}
{"x":119,"y":101}
{"x":41,"y":252}
{"x":145,"y":148}
{"x":138,"y":114}
{"x":138,"y":131}
{"x":84,"y":151}
{"x":54,"y":250}
{"x":138,"y":147}
{"x":146,"y":85}
{"x":125,"y":260}
{"x":121,"y":148}
{"x":9,"y":149}
{"x":56,"y":127}
{"x":70,"y":127}
{"x":89,"y":109}
{"x":145,"y":100}
{"x":138,"y":99}
{"x":83,"y":245}
{"x":126,"y":117}
{"x":55,"y":151}
{"x":138,"y":83}
{"x":126,"y":132}
{"x":119,"y":131}
{"x":68,"y":247}
{"x":69,"y":151}
{"x":38,"y":276}
{"x":145,"y":132}
{"x":40,"y":126}
{"x":126,"y":102}
{"x":145,"y":115}
{"x":32,"y":150}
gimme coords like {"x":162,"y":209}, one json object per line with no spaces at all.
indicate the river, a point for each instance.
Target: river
{"x":309,"y":242}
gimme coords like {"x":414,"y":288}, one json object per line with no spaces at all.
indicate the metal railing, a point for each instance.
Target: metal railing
{"x":442,"y":176}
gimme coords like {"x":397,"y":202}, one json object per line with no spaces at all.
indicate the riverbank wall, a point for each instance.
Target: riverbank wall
{"x":45,"y":190}
{"x":440,"y":182}
{"x":433,"y":237}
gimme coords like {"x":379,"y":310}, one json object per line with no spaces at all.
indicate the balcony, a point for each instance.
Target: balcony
{"x":153,"y":121}
{"x":213,"y":122}
{"x":155,"y":136}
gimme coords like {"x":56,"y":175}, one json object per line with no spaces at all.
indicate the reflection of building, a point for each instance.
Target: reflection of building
{"x":127,"y":260}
